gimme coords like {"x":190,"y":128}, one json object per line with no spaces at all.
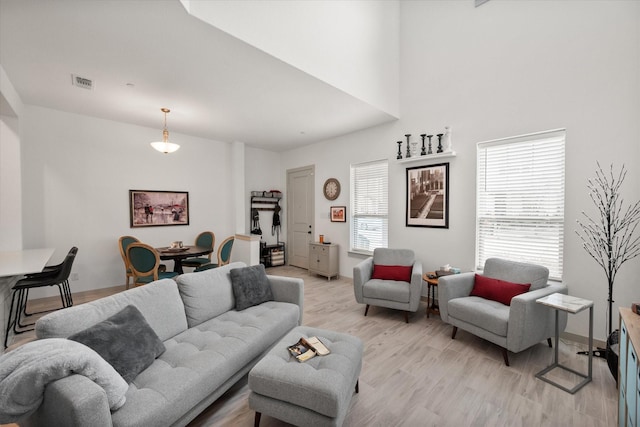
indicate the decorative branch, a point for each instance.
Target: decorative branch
{"x":609,"y":239}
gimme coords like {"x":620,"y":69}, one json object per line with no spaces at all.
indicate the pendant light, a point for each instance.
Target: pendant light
{"x":165,"y":146}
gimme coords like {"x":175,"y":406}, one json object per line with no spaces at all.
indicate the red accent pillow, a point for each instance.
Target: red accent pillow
{"x":497,"y":290}
{"x":392,"y":272}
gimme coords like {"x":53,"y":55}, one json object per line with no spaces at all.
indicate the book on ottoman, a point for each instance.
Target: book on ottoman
{"x":306,"y":348}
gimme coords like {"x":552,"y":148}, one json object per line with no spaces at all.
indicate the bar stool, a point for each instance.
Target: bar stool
{"x":57,"y":275}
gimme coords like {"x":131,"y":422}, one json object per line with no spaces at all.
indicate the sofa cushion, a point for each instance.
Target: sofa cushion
{"x":385,"y":256}
{"x":388,"y":290}
{"x":125,"y":340}
{"x":207,"y":294}
{"x":250,"y":286}
{"x":202,"y":359}
{"x":392,"y":272}
{"x":159,"y":302}
{"x":497,"y":290}
{"x":517,"y":272}
{"x":484,"y":313}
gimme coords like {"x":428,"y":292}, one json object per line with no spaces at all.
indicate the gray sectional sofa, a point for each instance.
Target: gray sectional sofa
{"x":209,"y":347}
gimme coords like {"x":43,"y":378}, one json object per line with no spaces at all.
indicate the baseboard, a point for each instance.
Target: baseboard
{"x":582,"y":340}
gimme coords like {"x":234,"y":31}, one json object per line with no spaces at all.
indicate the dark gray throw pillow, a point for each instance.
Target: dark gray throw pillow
{"x":125,"y":340}
{"x":250,"y":286}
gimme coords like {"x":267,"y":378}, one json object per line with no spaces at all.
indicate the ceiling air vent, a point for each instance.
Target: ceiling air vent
{"x":82,"y":82}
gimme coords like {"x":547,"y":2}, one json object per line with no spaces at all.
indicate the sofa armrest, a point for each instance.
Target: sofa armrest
{"x":415,"y":288}
{"x":362,"y":274}
{"x":530,"y":322}
{"x":453,"y":286}
{"x":288,"y":289}
{"x":72,"y":401}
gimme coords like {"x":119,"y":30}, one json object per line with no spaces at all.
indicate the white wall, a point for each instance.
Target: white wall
{"x":11,"y":108}
{"x":352,"y":45}
{"x":78,"y":170}
{"x":264,"y":174}
{"x":505,"y":69}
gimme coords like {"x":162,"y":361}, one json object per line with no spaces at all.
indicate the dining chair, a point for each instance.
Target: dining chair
{"x":145,"y":264}
{"x":57,"y":275}
{"x":123,"y":244}
{"x":224,"y":255}
{"x":206,"y":239}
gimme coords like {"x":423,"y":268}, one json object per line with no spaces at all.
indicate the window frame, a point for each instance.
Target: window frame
{"x":381,"y":239}
{"x":528,"y":213}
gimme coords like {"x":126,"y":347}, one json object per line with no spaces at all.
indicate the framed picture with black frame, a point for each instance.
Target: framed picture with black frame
{"x":158,"y":208}
{"x":338,"y":214}
{"x":428,"y":196}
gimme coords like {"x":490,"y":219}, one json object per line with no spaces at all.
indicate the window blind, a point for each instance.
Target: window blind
{"x":369,"y":206}
{"x":520,"y":200}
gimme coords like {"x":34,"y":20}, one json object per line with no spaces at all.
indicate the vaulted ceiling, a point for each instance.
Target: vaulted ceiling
{"x":147,"y":54}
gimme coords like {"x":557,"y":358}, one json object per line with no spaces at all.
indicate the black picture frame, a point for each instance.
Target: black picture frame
{"x":151,"y":208}
{"x":427,"y":195}
{"x":338,"y":213}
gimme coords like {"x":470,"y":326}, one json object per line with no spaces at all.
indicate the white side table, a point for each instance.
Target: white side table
{"x":571,"y":305}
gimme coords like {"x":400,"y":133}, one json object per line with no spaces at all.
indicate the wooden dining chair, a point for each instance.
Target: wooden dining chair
{"x":206,"y":239}
{"x":144,"y":261}
{"x":123,"y":244}
{"x":224,"y":255}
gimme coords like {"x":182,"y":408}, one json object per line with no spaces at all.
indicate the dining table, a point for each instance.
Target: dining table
{"x":178,"y":254}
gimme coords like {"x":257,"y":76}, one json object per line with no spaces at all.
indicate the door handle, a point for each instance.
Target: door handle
{"x":308,"y":232}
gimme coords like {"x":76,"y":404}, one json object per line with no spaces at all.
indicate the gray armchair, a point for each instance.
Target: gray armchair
{"x":399,"y":295}
{"x":515,"y":327}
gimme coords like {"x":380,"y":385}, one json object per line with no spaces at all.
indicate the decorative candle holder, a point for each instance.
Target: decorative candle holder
{"x":399,"y":156}
{"x":408,"y":147}
{"x":439,"y":143}
{"x":430,"y":151}
{"x":424,"y":151}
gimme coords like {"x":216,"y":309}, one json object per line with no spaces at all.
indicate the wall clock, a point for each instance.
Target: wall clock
{"x":331,"y":189}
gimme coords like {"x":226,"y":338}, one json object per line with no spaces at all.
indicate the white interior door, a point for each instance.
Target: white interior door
{"x":300,"y":198}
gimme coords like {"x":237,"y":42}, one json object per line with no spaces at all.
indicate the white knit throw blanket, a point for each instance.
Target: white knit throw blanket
{"x":26,"y":371}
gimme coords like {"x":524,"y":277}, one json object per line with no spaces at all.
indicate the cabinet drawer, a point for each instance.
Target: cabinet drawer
{"x":632,"y":383}
{"x":623,"y":353}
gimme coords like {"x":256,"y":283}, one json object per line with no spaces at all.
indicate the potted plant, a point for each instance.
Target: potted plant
{"x":610,"y":238}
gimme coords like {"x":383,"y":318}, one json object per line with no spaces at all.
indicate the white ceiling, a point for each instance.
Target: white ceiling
{"x":216,"y":86}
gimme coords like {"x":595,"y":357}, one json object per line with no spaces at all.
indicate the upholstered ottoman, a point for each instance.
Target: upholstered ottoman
{"x":312,"y":393}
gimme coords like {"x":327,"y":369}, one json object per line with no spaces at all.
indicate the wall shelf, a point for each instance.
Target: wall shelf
{"x":427,"y":157}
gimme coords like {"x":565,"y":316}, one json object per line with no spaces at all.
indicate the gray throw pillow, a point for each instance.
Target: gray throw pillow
{"x":250,"y":286}
{"x":125,"y":340}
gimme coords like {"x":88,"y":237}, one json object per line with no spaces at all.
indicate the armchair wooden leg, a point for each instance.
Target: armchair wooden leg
{"x":256,"y":421}
{"x":549,"y":342}
{"x":366,"y":310}
{"x":406,"y":317}
{"x":505,"y":356}
{"x":453,"y":333}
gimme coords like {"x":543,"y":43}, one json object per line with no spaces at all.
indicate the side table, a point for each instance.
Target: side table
{"x":432,"y":282}
{"x":571,"y":305}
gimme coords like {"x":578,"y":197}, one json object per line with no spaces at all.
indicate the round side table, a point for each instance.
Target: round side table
{"x":432,"y":282}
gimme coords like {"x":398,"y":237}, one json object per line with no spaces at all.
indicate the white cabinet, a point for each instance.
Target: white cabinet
{"x":323,"y":259}
{"x":629,"y":370}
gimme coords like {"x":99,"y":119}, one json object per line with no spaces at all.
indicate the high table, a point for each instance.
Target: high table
{"x":571,"y":305}
{"x":27,"y":261}
{"x":178,"y":254}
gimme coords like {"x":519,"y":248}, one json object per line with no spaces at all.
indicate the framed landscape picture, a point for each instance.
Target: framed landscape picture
{"x":428,"y":196}
{"x":338,"y":214}
{"x":158,"y":208}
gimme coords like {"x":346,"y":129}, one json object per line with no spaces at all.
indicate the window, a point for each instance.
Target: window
{"x":520,"y":200}
{"x":369,"y":206}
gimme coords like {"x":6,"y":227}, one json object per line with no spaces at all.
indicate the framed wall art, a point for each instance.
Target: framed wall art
{"x":338,"y":214}
{"x":158,"y":208}
{"x":428,"y":196}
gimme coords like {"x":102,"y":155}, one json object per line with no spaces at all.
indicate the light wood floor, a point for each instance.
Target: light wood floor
{"x":416,"y":375}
